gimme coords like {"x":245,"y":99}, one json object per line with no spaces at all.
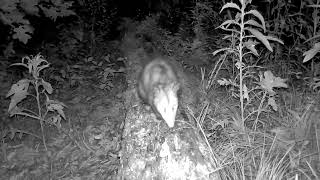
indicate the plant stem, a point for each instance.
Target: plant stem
{"x":40,"y":114}
{"x":240,"y":60}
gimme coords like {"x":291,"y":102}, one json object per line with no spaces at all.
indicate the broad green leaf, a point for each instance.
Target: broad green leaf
{"x":230,"y":5}
{"x":269,"y":81}
{"x":15,"y":110}
{"x":251,"y":46}
{"x":259,"y":16}
{"x":22,"y":33}
{"x":224,"y":82}
{"x":311,"y":52}
{"x":56,"y":106}
{"x":261,"y":37}
{"x":60,"y":9}
{"x":21,"y":85}
{"x":63,"y":7}
{"x":14,"y":17}
{"x":30,"y":6}
{"x":50,"y":12}
{"x":274,"y":39}
{"x":239,"y":65}
{"x":8,"y":5}
{"x":19,"y":92}
{"x":253,"y":23}
{"x":272,"y":103}
{"x":46,"y":86}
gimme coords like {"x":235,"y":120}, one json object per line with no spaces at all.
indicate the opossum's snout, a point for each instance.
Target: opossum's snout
{"x":167,"y":104}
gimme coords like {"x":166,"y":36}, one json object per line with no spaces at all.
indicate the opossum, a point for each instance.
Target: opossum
{"x":158,"y":86}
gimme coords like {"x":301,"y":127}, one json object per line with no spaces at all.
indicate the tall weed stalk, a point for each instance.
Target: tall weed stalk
{"x":247,"y":30}
{"x":47,"y":110}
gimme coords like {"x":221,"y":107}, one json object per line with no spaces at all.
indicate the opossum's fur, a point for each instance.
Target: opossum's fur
{"x":157,"y":86}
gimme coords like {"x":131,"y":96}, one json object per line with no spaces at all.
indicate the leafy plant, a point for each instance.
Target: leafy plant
{"x":310,"y":54}
{"x":48,"y":111}
{"x":14,"y":14}
{"x":108,"y":72}
{"x":245,"y":30}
